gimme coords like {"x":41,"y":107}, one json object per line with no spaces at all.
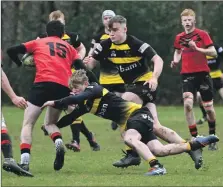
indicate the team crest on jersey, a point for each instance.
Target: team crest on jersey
{"x":113,"y":54}
{"x":127,"y":53}
{"x":146,"y":116}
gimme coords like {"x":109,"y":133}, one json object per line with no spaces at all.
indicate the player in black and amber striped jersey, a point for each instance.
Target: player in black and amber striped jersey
{"x":216,"y":76}
{"x":109,"y":74}
{"x":78,"y":125}
{"x":133,"y":57}
{"x":137,"y":120}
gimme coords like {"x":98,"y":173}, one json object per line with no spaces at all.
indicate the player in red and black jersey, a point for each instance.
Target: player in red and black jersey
{"x":53,"y":59}
{"x":192,"y":46}
{"x":78,"y":125}
{"x":71,"y":37}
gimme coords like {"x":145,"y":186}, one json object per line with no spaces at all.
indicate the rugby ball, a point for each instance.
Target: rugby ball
{"x":27,"y":60}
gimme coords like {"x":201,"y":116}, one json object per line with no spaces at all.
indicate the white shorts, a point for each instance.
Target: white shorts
{"x":3,"y":124}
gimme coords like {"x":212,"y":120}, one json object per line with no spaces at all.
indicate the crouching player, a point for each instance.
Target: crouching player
{"x":137,"y":120}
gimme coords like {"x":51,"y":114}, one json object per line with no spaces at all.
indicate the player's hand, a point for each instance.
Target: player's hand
{"x":48,"y":103}
{"x":192,"y":45}
{"x":86,"y":60}
{"x":153,"y":83}
{"x":173,"y":64}
{"x":20,"y":102}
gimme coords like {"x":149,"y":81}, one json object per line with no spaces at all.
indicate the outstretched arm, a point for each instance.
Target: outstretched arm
{"x":78,"y":64}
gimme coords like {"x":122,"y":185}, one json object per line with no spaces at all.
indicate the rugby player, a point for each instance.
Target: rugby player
{"x":192,"y":46}
{"x":53,"y":59}
{"x":132,"y":58}
{"x":9,"y":164}
{"x":136,"y":121}
{"x":78,"y":125}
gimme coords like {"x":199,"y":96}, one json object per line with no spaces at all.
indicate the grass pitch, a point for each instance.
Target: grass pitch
{"x":89,"y":168}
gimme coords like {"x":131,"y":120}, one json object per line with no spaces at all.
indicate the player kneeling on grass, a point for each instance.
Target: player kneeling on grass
{"x":137,"y":120}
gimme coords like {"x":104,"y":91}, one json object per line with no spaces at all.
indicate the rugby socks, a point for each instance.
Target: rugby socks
{"x":193,"y":130}
{"x":75,"y":129}
{"x":6,"y":145}
{"x":204,"y":113}
{"x":153,"y":162}
{"x":86,"y":132}
{"x":211,"y":125}
{"x":25,"y":153}
{"x":57,"y":139}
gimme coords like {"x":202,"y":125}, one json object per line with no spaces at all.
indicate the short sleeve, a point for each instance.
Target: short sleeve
{"x":176,"y":43}
{"x":207,"y":40}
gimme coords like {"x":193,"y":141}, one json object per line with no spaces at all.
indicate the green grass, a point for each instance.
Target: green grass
{"x":89,"y":168}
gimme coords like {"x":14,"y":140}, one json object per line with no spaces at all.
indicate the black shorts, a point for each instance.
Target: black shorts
{"x":143,"y":91}
{"x":201,"y":82}
{"x":217,"y":83}
{"x":115,"y":87}
{"x":47,"y":91}
{"x":142,"y":121}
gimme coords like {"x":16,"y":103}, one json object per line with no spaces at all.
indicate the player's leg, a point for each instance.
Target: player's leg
{"x":161,"y":131}
{"x":206,"y":90}
{"x":32,"y":112}
{"x":51,"y":117}
{"x":75,"y":130}
{"x":131,"y":157}
{"x":139,"y":132}
{"x":79,"y":126}
{"x":158,"y":149}
{"x":204,"y":114}
{"x":90,"y":137}
{"x":6,"y":144}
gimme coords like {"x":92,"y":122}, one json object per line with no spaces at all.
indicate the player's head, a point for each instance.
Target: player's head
{"x":117,"y":27}
{"x":78,"y":81}
{"x":55,"y":28}
{"x":188,"y":19}
{"x":106,"y":16}
{"x":57,"y":15}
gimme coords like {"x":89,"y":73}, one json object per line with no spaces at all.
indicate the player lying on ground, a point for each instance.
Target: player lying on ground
{"x":137,"y":120}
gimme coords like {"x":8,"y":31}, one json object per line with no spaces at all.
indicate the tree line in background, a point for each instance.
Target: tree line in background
{"x":154,"y":22}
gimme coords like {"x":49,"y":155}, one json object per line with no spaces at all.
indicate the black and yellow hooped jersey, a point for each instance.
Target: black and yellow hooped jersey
{"x":131,"y":58}
{"x":100,"y":102}
{"x":214,"y":63}
{"x":109,"y":73}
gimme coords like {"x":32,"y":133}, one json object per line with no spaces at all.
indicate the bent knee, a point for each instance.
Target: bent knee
{"x":188,"y":101}
{"x":208,"y":106}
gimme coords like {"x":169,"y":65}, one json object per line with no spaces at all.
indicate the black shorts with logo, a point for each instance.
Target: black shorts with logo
{"x":115,"y":87}
{"x":217,"y":83}
{"x":200,"y":81}
{"x":142,"y":121}
{"x":47,"y":91}
{"x":143,"y":91}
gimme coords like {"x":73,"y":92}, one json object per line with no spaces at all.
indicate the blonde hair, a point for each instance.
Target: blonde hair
{"x":188,"y":12}
{"x":55,"y":15}
{"x":77,"y":78}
